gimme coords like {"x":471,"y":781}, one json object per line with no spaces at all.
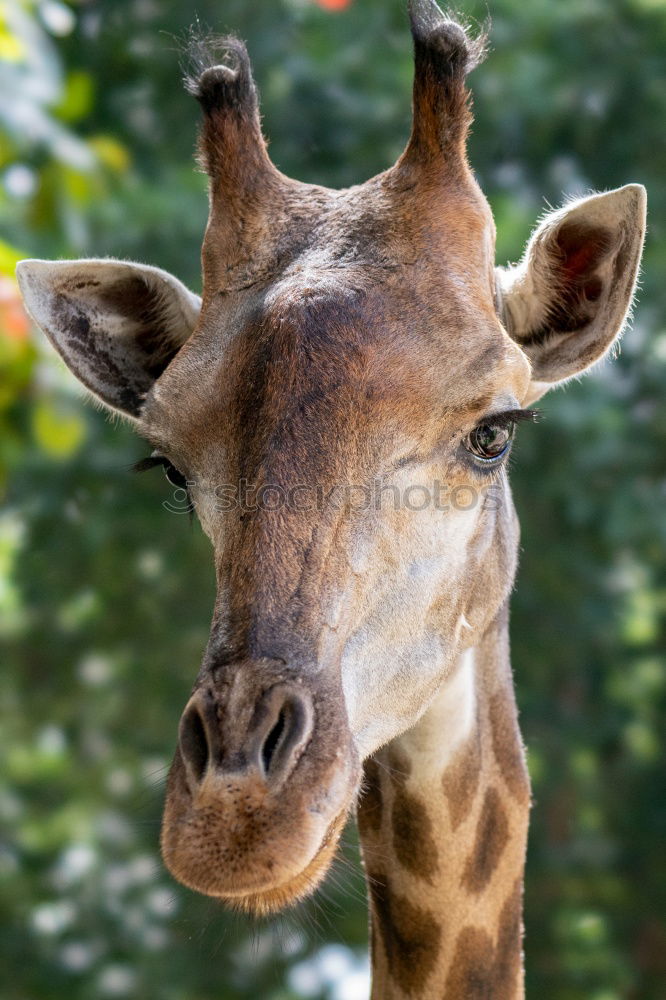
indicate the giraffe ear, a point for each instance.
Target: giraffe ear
{"x":570,"y":296}
{"x":116,"y":325}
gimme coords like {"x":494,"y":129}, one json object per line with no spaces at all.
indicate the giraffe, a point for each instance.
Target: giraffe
{"x":354,"y":343}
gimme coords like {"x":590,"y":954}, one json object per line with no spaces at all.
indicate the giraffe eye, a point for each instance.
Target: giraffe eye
{"x":490,"y":441}
{"x":173,"y":476}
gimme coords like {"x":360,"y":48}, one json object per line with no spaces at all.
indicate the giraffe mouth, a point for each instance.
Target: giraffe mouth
{"x":256,"y":850}
{"x":278,"y":897}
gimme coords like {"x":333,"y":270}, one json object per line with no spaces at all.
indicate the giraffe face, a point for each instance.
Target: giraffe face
{"x":358,"y":540}
{"x":338,"y":404}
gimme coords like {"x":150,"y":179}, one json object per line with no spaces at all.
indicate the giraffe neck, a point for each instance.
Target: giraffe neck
{"x":443,"y":823}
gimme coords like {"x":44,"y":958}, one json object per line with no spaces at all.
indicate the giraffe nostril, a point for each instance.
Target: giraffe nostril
{"x":270,"y":746}
{"x":194,"y":743}
{"x":284,"y":733}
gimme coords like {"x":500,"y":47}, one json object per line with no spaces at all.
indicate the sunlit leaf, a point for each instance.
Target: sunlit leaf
{"x":78,"y":97}
{"x":12,"y":48}
{"x":58,"y":434}
{"x":9,"y":258}
{"x":110,"y":152}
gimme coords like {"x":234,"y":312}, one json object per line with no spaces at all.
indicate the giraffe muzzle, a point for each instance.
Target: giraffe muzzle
{"x":262,"y":781}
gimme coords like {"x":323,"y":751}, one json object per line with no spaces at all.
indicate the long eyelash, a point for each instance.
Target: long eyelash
{"x":508,"y":417}
{"x":151,"y":462}
{"x":156,"y":460}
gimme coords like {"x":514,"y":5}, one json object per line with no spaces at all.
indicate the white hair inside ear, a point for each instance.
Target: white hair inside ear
{"x":569,"y":298}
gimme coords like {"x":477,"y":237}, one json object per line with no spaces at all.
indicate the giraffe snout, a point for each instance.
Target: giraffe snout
{"x":264,"y":775}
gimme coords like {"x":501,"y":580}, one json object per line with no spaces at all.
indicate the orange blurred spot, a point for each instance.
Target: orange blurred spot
{"x":333,"y":4}
{"x":13,"y":320}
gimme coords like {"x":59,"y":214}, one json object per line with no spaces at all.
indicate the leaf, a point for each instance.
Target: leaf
{"x":110,"y":153}
{"x":78,"y":98}
{"x":56,"y":433}
{"x":9,"y":258}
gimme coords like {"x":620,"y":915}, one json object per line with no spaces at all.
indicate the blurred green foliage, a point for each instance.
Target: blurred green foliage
{"x":104,"y":598}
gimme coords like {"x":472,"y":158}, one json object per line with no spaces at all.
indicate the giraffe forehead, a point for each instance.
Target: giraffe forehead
{"x":363,"y":288}
{"x":322,"y":347}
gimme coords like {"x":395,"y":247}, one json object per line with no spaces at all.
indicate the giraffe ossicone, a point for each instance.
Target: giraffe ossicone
{"x":358,"y":655}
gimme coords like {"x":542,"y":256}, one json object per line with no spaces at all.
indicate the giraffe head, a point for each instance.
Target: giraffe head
{"x":341,"y":404}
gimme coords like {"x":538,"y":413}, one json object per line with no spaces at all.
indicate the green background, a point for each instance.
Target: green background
{"x":105,"y":597}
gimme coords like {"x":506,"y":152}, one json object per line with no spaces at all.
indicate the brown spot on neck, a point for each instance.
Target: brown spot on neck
{"x":411,"y":936}
{"x":492,"y":836}
{"x":481,"y":970}
{"x":507,"y":745}
{"x":460,"y":781}
{"x":413,"y":840}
